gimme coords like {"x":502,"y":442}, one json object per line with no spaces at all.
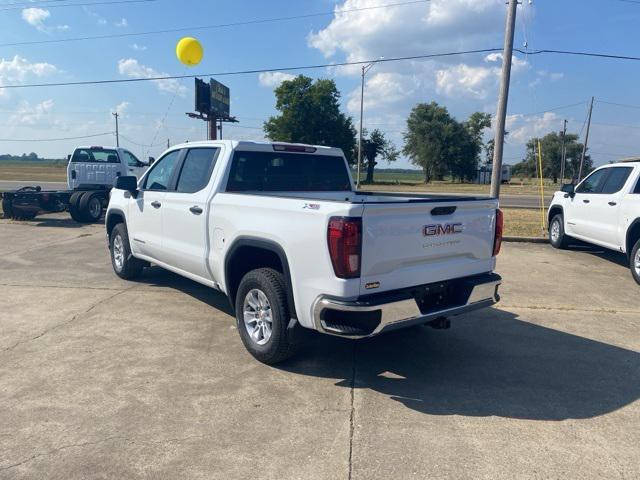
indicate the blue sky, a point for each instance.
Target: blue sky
{"x":152,"y":112}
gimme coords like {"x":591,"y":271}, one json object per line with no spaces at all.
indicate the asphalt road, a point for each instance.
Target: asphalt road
{"x":102,"y":378}
{"x":517,"y":201}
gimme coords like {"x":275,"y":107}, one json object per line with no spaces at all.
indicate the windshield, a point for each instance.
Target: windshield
{"x":287,"y":172}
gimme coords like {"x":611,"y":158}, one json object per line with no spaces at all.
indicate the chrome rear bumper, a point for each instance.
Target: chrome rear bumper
{"x":375,"y":314}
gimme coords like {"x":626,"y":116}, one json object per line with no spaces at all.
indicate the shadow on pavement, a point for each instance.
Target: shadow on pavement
{"x":159,"y":277}
{"x":495,"y":364}
{"x":618,"y":258}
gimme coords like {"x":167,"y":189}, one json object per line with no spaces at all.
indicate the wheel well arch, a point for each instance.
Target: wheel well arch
{"x":633,"y":234}
{"x":553,"y":211}
{"x":248,"y":253}
{"x":114,"y":217}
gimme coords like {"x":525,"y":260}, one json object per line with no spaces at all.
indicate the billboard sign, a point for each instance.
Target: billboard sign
{"x":203,"y":97}
{"x":220,"y":99}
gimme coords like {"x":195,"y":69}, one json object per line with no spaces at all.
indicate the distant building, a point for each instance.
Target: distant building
{"x":484,"y":174}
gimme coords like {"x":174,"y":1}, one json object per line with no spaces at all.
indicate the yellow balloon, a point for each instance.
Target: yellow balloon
{"x":189,"y":51}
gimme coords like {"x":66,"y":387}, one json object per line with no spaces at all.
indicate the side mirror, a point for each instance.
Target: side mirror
{"x":151,"y":160}
{"x":128,"y":183}
{"x":69,"y":157}
{"x":569,"y":189}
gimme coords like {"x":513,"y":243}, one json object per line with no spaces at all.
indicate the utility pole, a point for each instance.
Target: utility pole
{"x":115,"y":114}
{"x":586,"y":140}
{"x":360,"y":132}
{"x":563,"y":153}
{"x":501,"y":114}
{"x":213,"y":127}
{"x":168,"y":143}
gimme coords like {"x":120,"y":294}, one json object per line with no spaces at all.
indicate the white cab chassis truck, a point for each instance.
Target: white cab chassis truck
{"x":603,"y":209}
{"x":91,"y":173}
{"x":280,"y":229}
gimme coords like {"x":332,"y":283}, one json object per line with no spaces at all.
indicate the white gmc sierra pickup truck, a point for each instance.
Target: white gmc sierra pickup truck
{"x":280,"y":229}
{"x":603,"y":209}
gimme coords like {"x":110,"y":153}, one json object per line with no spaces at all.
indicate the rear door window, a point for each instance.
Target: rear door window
{"x":594,"y":182}
{"x":97,"y":155}
{"x":196,"y":169}
{"x":160,"y":175}
{"x":617,"y":178}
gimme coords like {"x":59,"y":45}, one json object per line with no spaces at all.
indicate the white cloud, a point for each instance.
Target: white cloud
{"x":121,"y":109}
{"x":130,"y":67}
{"x":36,"y":17}
{"x":122,"y":23}
{"x":466,"y":81}
{"x":274,"y":79}
{"x":383,"y":88}
{"x":28,"y":114}
{"x":139,"y":48}
{"x":522,"y":128}
{"x":18,"y":69}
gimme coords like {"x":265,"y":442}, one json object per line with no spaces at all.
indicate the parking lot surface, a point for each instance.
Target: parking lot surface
{"x":102,"y":378}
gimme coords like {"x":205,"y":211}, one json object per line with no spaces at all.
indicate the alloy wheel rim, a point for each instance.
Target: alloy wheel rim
{"x":636,"y":262}
{"x":555,"y":231}
{"x":257,"y":316}
{"x":118,"y":252}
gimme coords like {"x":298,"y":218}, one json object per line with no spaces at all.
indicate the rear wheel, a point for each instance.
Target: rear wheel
{"x":262,"y":316}
{"x":557,"y":238}
{"x":124,"y":263}
{"x":635,"y":262}
{"x":90,"y":207}
{"x":74,"y":207}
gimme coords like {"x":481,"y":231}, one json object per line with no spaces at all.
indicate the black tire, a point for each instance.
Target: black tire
{"x":90,"y":207}
{"x":557,"y":237}
{"x":127,"y":267}
{"x":7,"y":210}
{"x":74,"y":207}
{"x":283,"y":341}
{"x":634,"y":262}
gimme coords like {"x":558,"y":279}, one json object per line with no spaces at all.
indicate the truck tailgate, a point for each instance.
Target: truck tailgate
{"x":415,"y":243}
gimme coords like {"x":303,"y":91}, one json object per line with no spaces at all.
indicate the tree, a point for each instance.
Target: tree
{"x":377,"y":144}
{"x":310,"y":113}
{"x":551,"y":148}
{"x":441,"y":145}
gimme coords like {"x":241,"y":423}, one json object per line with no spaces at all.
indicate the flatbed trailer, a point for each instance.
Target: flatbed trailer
{"x":84,"y":205}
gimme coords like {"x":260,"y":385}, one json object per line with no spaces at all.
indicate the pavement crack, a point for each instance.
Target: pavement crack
{"x":570,"y":308}
{"x":352,"y":412}
{"x":56,"y":450}
{"x":71,"y":320}
{"x":67,"y":287}
{"x":49,"y":244}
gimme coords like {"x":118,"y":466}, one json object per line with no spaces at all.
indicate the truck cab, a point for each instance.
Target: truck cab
{"x":98,"y":167}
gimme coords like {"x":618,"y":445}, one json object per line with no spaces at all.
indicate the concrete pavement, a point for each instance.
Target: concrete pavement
{"x":102,"y":378}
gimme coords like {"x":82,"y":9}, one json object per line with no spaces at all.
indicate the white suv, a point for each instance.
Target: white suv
{"x":603,"y":209}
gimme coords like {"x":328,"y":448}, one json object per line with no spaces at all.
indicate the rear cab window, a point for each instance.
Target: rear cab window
{"x":95,"y":155}
{"x":287,"y":172}
{"x":617,"y":178}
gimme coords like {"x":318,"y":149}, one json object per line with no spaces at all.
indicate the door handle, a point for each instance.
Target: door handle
{"x":586,"y":201}
{"x":156,"y":204}
{"x":613,"y":204}
{"x":195,"y":210}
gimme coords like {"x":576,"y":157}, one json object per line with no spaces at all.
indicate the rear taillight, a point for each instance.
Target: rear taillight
{"x":344,"y":237}
{"x":497,"y":242}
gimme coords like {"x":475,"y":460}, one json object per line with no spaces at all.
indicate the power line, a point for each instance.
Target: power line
{"x":626,"y":105}
{"x":316,"y":66}
{"x":211,"y":27}
{"x":15,"y":6}
{"x":53,"y":139}
{"x":254,"y":71}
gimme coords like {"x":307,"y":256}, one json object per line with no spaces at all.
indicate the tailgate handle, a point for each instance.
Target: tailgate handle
{"x":443,"y":210}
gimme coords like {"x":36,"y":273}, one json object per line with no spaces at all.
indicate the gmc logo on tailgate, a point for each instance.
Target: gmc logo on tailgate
{"x":438,"y":229}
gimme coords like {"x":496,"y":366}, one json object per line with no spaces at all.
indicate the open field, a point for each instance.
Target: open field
{"x":103,"y":378}
{"x":520,"y":222}
{"x":405,"y":182}
{"x":33,"y":172}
